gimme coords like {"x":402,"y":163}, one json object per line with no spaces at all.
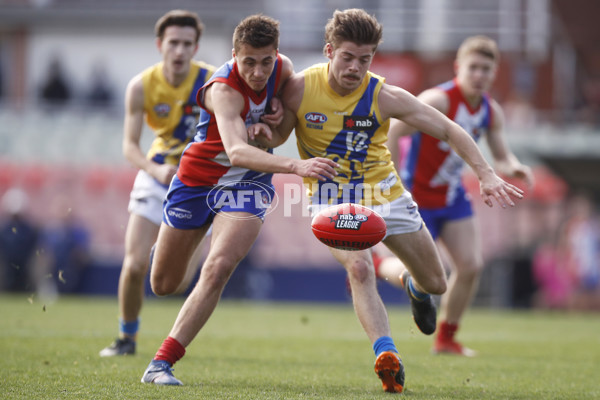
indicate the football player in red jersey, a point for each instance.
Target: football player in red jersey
{"x":221,"y":166}
{"x":432,"y":172}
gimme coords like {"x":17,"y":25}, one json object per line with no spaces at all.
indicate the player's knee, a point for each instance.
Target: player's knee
{"x":360,"y":270}
{"x":136,"y":268}
{"x":436,"y":285}
{"x":164,"y":282}
{"x":469,"y":269}
{"x":163,"y":286}
{"x":470,"y":277}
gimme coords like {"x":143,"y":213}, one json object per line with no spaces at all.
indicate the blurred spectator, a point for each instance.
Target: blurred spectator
{"x":65,"y":254}
{"x":55,"y":90}
{"x":582,"y":232}
{"x":18,"y":239}
{"x":100,"y":94}
{"x":551,"y":274}
{"x":567,"y":267}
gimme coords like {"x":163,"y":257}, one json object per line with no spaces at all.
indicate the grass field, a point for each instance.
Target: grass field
{"x":290,"y":351}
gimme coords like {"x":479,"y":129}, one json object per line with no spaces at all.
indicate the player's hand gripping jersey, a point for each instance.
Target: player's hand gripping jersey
{"x":205,"y":162}
{"x":172,"y":120}
{"x":350,"y":131}
{"x":433,"y":170}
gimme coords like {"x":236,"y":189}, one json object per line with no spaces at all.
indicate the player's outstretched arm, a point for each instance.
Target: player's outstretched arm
{"x":398,"y":103}
{"x":505,"y":162}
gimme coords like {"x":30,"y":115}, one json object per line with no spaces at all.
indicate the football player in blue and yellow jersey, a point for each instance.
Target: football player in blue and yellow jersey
{"x":341,"y":111}
{"x":164,"y":96}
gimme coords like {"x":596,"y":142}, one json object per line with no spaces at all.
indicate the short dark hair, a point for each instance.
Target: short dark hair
{"x":179,"y":18}
{"x":353,"y":25}
{"x":257,"y":31}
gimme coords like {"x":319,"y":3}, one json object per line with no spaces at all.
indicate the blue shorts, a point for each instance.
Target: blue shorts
{"x":191,"y":207}
{"x":435,"y":218}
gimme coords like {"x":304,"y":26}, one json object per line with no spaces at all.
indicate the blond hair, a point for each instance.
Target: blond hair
{"x":479,"y":44}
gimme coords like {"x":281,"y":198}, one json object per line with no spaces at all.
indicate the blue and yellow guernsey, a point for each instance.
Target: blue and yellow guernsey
{"x":350,"y":131}
{"x":171,"y":112}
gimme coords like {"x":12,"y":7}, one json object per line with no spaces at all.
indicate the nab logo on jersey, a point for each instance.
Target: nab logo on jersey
{"x":358,"y":123}
{"x":191,"y":109}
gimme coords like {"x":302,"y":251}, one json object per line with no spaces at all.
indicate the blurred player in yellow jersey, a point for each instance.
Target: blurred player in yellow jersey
{"x":164,"y":95}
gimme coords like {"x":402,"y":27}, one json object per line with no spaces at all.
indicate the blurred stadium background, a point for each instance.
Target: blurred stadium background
{"x":65,"y":155}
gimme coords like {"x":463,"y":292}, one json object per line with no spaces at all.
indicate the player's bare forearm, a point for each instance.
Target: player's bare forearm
{"x":464,"y":145}
{"x":133,"y":153}
{"x":246,"y":156}
{"x":491,"y":185}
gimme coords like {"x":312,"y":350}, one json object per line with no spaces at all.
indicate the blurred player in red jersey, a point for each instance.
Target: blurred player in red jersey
{"x":432,"y":172}
{"x":164,"y":95}
{"x":224,"y":178}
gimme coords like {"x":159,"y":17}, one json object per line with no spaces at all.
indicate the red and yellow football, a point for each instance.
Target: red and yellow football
{"x":348,"y":226}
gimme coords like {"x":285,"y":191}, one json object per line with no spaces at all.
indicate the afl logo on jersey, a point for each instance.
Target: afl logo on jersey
{"x":315,"y":118}
{"x":162,"y":110}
